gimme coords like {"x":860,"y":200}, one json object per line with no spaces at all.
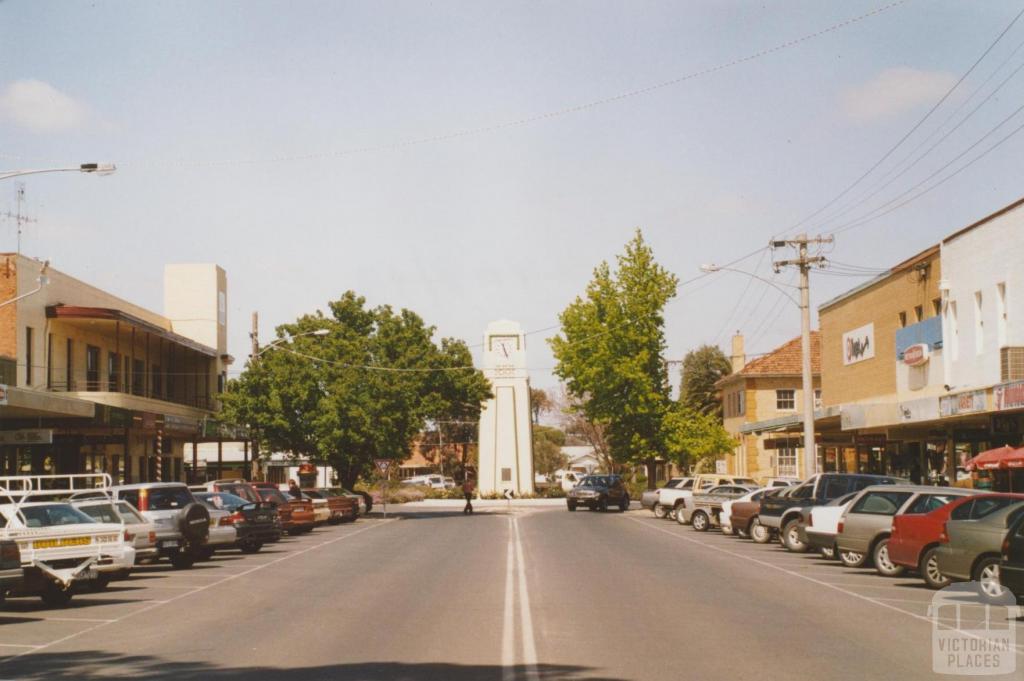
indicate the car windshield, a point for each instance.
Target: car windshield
{"x":129,"y":513}
{"x":839,"y":501}
{"x":101,"y":513}
{"x":272,"y":495}
{"x":594,"y":481}
{"x":168,"y":498}
{"x":50,"y":515}
{"x":239,"y":490}
{"x":222,"y":500}
{"x":313,"y":494}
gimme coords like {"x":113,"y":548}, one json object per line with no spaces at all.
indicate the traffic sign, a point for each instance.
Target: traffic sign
{"x":508,"y":494}
{"x":382,"y":465}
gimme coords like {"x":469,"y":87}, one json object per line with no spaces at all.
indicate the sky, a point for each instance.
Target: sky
{"x":404,"y":149}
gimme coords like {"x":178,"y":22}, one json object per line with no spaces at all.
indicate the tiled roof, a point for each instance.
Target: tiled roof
{"x":785,"y":359}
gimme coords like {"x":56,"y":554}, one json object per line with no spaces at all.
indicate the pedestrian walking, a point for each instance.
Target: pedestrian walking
{"x":293,"y":489}
{"x":467,"y":491}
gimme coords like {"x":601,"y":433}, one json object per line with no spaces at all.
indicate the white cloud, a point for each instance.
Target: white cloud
{"x":39,"y":107}
{"x":895,"y":91}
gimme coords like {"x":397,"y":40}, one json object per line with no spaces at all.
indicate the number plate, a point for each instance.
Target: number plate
{"x":64,"y":541}
{"x":169,"y":544}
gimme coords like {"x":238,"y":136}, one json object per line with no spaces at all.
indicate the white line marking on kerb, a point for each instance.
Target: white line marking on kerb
{"x":156,"y":604}
{"x":529,"y":645}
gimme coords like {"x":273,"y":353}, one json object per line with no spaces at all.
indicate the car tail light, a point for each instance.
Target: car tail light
{"x":1006,"y":545}
{"x":839,"y":528}
{"x":943,"y":535}
{"x":128,"y":536}
{"x":152,"y":537}
{"x":235,"y":517}
{"x":810,"y":520}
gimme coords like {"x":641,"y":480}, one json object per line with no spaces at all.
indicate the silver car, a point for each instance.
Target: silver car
{"x":139,"y":531}
{"x":182,"y":523}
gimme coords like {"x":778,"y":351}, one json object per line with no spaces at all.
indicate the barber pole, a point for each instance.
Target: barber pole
{"x":158,"y":451}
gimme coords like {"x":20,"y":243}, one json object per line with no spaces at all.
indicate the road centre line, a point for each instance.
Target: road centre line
{"x":526,"y":619}
{"x":808,"y":578}
{"x":508,"y":644}
{"x":155,"y":604}
{"x":515,"y":575}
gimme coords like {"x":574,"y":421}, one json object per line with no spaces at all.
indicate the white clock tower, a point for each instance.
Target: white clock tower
{"x":506,"y":438}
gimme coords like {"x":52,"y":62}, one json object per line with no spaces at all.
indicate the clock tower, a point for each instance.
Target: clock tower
{"x":506,"y":437}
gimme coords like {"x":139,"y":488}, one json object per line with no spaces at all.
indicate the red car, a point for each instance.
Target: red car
{"x":296,"y":514}
{"x":915,"y":535}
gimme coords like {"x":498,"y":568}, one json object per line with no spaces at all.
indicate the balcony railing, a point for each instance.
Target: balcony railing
{"x":206,"y":402}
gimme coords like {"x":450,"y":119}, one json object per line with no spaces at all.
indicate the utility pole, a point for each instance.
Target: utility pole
{"x":804,"y":262}
{"x":254,"y":336}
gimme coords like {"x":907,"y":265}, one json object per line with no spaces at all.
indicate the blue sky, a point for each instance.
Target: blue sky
{"x":195,"y":100}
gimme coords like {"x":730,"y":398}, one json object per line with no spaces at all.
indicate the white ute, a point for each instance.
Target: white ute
{"x":60,"y":546}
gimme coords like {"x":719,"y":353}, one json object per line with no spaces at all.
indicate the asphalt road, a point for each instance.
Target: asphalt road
{"x":540,"y":594}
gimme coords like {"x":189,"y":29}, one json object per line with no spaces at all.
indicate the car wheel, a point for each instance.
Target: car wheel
{"x":828,"y":552}
{"x":986,"y":574}
{"x":673,"y":514}
{"x":194,"y":523}
{"x":883,"y":564}
{"x":758,"y":532}
{"x":602,"y":505}
{"x":852,"y":559}
{"x":55,"y":596}
{"x":182,"y":560}
{"x":791,"y":538}
{"x":101,"y":582}
{"x":251,"y":547}
{"x":679,"y":518}
{"x":929,"y":570}
{"x":660,"y":512}
{"x":572,"y":506}
{"x":624,"y":504}
{"x":700,"y":521}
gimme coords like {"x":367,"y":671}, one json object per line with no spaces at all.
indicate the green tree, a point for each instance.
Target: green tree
{"x":547,"y":449}
{"x":702,"y":368}
{"x":692,"y":438}
{"x":610,"y":352}
{"x":313,"y":396}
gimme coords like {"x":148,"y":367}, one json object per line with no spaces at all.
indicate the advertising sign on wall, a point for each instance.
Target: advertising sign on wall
{"x":859,"y":344}
{"x":962,"y":403}
{"x":1009,"y":395}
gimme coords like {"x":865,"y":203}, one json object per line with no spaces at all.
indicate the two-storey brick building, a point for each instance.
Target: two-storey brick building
{"x":91,"y":382}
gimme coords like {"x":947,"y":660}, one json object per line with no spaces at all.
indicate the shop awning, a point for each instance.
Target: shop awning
{"x":1001,"y":457}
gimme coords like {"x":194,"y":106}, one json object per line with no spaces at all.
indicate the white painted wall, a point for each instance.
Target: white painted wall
{"x":978,"y":261}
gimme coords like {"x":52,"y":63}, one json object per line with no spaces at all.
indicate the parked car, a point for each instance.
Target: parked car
{"x":674,"y":499}
{"x":819,"y":525}
{"x":753,"y":497}
{"x":182,"y":522}
{"x":253,"y":523}
{"x":862,"y":537}
{"x":652,"y":498}
{"x":743,"y":517}
{"x":10,"y":567}
{"x":296,"y":515}
{"x":704,"y":510}
{"x":238,"y":487}
{"x":1011,"y":567}
{"x":970,"y":546}
{"x":137,"y":530}
{"x":343,"y":509}
{"x":361,"y":507}
{"x":916,"y":536}
{"x":782,"y":481}
{"x":783,"y":512}
{"x":222,"y":533}
{"x":598,"y":492}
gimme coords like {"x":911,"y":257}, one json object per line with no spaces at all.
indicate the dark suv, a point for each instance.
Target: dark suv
{"x":598,"y":492}
{"x":782,"y":513}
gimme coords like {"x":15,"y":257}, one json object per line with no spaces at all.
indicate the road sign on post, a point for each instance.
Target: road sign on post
{"x":383,"y":468}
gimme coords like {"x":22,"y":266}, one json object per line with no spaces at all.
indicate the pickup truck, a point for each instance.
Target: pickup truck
{"x":10,"y":567}
{"x":674,"y":499}
{"x":704,"y":510}
{"x":782,"y":513}
{"x":652,"y":498}
{"x":59,"y":546}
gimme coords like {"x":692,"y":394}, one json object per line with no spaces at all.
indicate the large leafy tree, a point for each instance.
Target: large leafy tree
{"x":702,"y":368}
{"x":547,"y":449}
{"x":694,"y":439}
{"x":539,"y":403}
{"x":361,"y":392}
{"x":610,"y":352}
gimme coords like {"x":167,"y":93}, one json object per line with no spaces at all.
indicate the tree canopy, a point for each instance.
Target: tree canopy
{"x":610,"y":352}
{"x":313,"y":396}
{"x":547,"y":449}
{"x":702,"y":368}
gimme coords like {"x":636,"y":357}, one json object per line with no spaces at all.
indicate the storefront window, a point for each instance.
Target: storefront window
{"x":786,"y":462}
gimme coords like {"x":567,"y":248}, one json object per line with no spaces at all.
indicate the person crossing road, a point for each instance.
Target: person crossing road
{"x":468,"y":487}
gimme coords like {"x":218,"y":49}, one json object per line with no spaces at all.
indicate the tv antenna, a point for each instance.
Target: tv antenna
{"x":17,"y":216}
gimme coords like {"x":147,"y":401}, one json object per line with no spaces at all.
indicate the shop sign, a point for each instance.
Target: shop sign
{"x":3,"y":395}
{"x":859,"y":344}
{"x":27,"y":436}
{"x":916,"y":355}
{"x":721,"y":468}
{"x":784,"y":443}
{"x":179,"y":424}
{"x":969,"y":402}
{"x":870,"y":439}
{"x":1009,"y":396}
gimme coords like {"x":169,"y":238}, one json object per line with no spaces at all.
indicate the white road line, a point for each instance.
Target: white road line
{"x":798,"y":575}
{"x":16,"y":645}
{"x":156,"y":604}
{"x":526,"y":619}
{"x":508,"y":643}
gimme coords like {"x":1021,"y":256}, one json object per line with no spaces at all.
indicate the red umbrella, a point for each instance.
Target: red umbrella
{"x":991,"y":459}
{"x":1015,"y":459}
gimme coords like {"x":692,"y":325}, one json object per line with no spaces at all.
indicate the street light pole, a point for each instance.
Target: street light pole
{"x":92,"y":168}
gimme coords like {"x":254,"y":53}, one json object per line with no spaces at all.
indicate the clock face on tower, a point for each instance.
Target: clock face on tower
{"x":504,"y":349}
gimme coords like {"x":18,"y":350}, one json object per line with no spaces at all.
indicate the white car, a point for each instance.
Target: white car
{"x":431,"y":481}
{"x":823,"y":524}
{"x":137,"y":530}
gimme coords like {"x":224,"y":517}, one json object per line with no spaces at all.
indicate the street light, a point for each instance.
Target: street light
{"x":43,"y":281}
{"x":288,"y":339}
{"x":91,"y":168}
